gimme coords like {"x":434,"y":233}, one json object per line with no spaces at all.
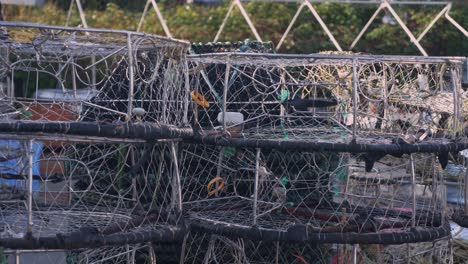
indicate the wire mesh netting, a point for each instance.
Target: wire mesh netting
{"x":111,"y":140}
{"x":82,"y":110}
{"x":326,"y":100}
{"x":204,"y":248}
{"x":320,"y":197}
{"x":65,"y":74}
{"x":88,"y":194}
{"x":378,"y":109}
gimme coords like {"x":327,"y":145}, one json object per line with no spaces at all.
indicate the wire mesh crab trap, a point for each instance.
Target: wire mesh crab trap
{"x":66,"y":74}
{"x":328,"y":102}
{"x":88,"y":193}
{"x":205,"y":248}
{"x":263,"y":119}
{"x":86,"y":153}
{"x":320,"y":197}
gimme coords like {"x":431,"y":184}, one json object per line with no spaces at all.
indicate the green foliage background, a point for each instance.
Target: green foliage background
{"x":199,"y":23}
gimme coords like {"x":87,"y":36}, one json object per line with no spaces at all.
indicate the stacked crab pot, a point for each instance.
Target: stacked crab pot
{"x":89,"y":124}
{"x":343,"y":149}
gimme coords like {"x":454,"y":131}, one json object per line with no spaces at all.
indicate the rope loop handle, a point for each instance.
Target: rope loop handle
{"x":199,"y":99}
{"x":219,"y":187}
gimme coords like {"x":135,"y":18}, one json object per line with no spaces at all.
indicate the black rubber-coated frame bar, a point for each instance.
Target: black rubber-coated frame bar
{"x":295,"y":234}
{"x":300,"y":234}
{"x":460,"y":218}
{"x":332,"y":147}
{"x":151,"y":131}
{"x":89,"y":240}
{"x":147,"y":131}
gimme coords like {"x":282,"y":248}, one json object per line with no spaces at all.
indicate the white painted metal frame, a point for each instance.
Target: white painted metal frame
{"x":158,"y":14}
{"x":444,"y":12}
{"x":306,"y":3}
{"x":80,"y":12}
{"x":383,"y":4}
{"x":246,"y":16}
{"x":388,"y":6}
{"x":416,"y":41}
{"x":140,"y":24}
